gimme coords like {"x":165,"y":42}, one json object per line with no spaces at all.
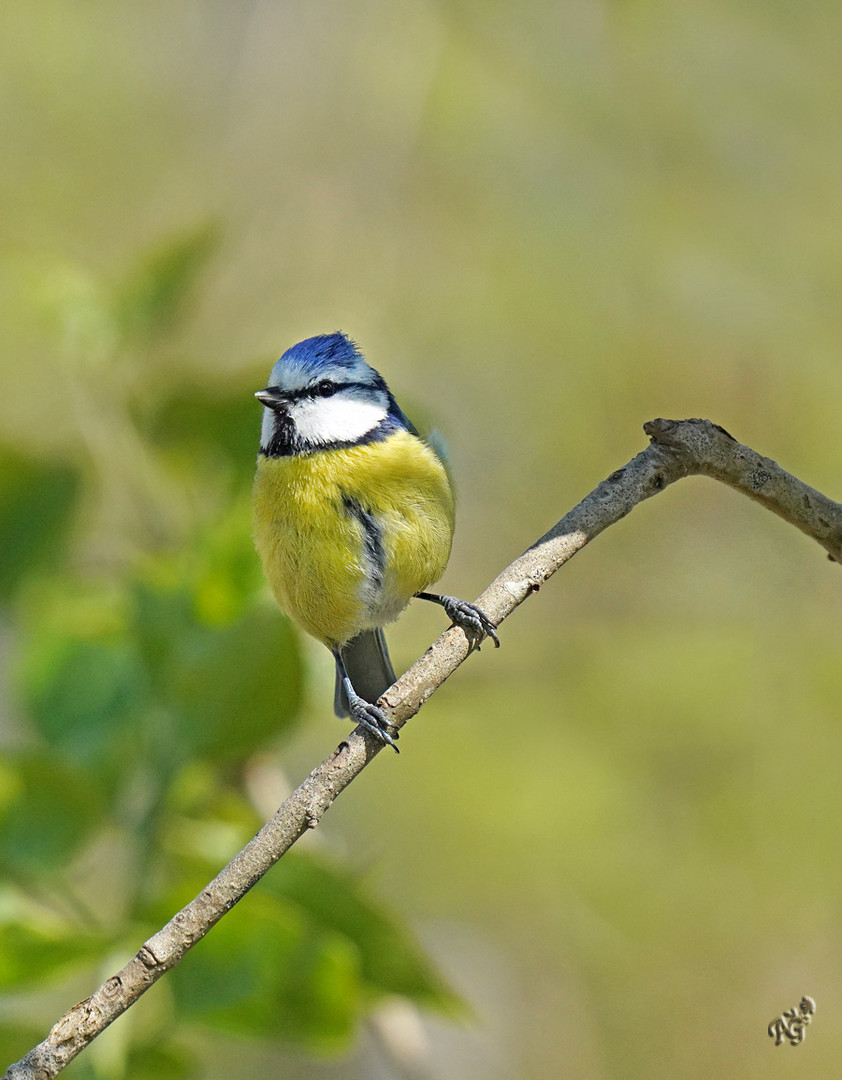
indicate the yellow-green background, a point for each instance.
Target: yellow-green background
{"x":545,"y":223}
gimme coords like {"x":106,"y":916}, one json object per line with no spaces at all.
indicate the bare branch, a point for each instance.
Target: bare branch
{"x":677,"y":449}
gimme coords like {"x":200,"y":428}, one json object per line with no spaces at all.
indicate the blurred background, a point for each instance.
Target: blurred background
{"x":607,"y":850}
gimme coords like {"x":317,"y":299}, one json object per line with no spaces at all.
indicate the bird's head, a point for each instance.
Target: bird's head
{"x":321,"y":394}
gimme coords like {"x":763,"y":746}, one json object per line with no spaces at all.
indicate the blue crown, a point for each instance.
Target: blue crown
{"x":316,"y":354}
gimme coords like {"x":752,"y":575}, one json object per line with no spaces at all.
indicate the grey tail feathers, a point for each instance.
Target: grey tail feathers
{"x":369,"y":669}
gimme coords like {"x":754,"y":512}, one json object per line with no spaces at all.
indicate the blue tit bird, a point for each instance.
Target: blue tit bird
{"x":353,"y":515}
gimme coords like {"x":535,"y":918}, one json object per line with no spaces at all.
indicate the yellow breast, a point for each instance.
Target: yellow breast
{"x":309,"y":514}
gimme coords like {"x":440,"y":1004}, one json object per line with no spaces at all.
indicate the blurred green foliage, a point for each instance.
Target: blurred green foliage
{"x":312,"y":954}
{"x":144,"y":685}
{"x":37,"y":501}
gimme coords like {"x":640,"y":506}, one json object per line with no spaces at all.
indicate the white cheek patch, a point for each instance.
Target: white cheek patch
{"x":341,"y":418}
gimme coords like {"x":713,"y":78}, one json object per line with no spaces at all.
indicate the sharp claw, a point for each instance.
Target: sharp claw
{"x":373,"y":720}
{"x":472,"y":620}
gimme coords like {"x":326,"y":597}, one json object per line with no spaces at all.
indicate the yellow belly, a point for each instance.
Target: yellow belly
{"x":313,"y":548}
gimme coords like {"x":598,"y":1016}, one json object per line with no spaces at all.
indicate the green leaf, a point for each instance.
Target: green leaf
{"x":50,"y":809}
{"x":229,"y":688}
{"x":37,"y":500}
{"x":18,"y":1039}
{"x":240,"y":685}
{"x":207,"y":420}
{"x":264,"y":971}
{"x":84,"y":696}
{"x":300,"y":959}
{"x":227,"y":573}
{"x":390,"y":960}
{"x":30,"y":956}
{"x":162,"y":623}
{"x":210,"y":583}
{"x":160,"y":1061}
{"x":155,"y":295}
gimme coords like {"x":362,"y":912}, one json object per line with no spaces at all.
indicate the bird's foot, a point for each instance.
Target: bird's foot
{"x":372,"y":719}
{"x":472,"y":620}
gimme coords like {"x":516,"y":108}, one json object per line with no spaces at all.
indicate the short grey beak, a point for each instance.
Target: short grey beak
{"x":271,"y":397}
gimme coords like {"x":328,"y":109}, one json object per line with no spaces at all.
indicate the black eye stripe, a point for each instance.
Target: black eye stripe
{"x":325,"y":388}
